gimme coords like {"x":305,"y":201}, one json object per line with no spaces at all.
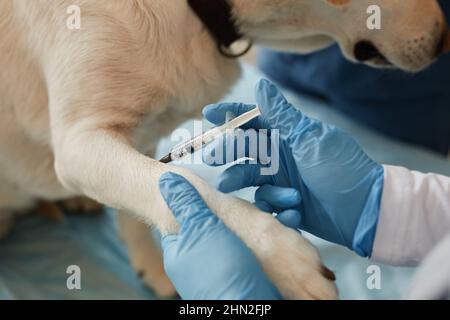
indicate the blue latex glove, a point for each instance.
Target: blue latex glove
{"x":206,"y":261}
{"x":326,"y":184}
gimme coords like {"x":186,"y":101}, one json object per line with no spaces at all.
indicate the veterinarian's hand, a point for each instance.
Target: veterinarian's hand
{"x":206,"y":260}
{"x":325,"y":185}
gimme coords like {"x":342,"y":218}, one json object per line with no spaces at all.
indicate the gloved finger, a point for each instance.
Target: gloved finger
{"x":278,"y":197}
{"x":217,"y":114}
{"x":242,"y":176}
{"x":311,"y":142}
{"x":185,"y":202}
{"x":278,"y":112}
{"x":254,"y":146}
{"x":264,"y":206}
{"x":290,"y":218}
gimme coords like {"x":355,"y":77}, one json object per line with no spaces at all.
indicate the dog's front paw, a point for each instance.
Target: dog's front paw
{"x":152,"y":273}
{"x":145,"y":256}
{"x":294,"y":264}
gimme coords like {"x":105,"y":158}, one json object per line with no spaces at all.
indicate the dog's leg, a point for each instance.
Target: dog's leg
{"x":145,"y":255}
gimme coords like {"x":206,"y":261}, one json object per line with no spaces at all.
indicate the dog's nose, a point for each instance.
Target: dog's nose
{"x":366,"y":50}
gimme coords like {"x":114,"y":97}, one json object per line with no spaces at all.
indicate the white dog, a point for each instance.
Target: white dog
{"x":79,"y":108}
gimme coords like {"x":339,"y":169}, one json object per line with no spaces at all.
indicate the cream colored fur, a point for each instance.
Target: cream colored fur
{"x":79,"y":108}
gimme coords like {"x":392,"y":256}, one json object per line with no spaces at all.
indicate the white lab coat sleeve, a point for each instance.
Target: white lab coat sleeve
{"x":414,"y":216}
{"x":432,"y":280}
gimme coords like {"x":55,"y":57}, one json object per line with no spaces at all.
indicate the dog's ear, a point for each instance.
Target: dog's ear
{"x":327,"y":273}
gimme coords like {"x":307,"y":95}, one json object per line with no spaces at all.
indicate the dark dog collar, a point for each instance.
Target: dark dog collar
{"x":217,"y":17}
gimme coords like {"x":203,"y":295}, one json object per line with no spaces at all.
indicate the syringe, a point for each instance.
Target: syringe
{"x":209,"y":136}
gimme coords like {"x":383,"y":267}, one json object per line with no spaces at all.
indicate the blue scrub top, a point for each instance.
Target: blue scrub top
{"x":411,"y":107}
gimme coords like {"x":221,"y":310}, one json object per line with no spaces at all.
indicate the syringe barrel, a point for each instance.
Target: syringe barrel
{"x":198,"y":142}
